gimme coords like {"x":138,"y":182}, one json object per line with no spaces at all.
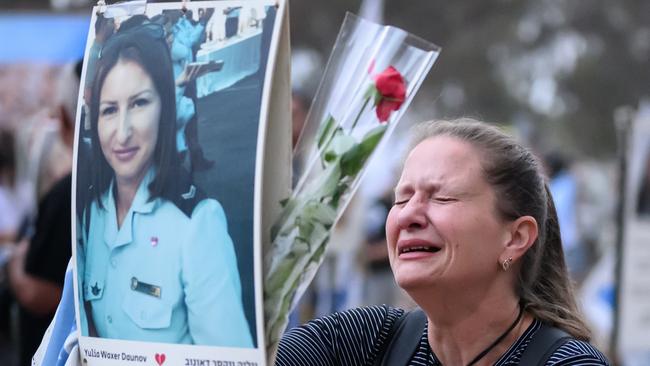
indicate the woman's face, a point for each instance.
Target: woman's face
{"x":129,"y":115}
{"x":443,"y":229}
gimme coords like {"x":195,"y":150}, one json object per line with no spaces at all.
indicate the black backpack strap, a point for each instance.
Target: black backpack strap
{"x":544,"y":343}
{"x":403,"y":339}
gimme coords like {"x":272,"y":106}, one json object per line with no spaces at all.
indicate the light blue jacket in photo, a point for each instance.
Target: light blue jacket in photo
{"x":162,"y":276}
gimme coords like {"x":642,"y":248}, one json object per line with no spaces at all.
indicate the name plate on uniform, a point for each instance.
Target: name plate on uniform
{"x":145,"y":288}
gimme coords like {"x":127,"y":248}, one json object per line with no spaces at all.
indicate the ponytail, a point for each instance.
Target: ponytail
{"x":546,"y":290}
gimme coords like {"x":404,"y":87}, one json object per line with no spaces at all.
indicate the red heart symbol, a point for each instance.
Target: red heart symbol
{"x":160,"y":358}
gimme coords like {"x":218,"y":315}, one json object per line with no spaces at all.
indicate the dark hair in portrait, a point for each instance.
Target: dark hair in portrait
{"x":145,"y":45}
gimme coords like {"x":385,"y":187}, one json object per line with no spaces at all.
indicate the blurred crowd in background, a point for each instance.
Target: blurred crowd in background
{"x":555,"y":73}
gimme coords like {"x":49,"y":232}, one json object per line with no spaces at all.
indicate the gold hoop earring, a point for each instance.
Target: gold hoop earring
{"x":506,"y":264}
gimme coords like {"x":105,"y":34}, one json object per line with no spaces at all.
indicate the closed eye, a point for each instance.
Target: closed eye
{"x":444,"y":199}
{"x":400,"y":202}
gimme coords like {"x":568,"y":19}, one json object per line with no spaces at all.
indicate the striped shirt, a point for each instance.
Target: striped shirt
{"x":355,"y":337}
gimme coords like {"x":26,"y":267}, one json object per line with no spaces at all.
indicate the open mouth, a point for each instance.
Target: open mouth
{"x":426,"y":249}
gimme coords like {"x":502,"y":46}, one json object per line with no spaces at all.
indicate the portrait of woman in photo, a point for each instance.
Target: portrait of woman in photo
{"x":155,"y":260}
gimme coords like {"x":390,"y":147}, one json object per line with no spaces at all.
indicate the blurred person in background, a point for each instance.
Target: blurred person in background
{"x":44,"y":140}
{"x":37,"y":268}
{"x":38,"y":263}
{"x":13,"y":210}
{"x":13,"y":196}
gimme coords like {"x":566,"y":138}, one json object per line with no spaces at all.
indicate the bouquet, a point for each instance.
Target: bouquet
{"x":370,"y":79}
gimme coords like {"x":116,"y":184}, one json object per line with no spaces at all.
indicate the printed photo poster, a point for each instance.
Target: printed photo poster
{"x":168,"y":188}
{"x":635,"y":287}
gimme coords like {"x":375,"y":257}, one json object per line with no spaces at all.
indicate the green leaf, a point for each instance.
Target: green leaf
{"x":282,"y":273}
{"x":330,"y":156}
{"x":338,"y":145}
{"x":326,"y":130}
{"x":287,"y":227}
{"x":340,"y":190}
{"x":330,"y":179}
{"x":288,"y":208}
{"x":352,"y":161}
{"x":320,"y":251}
{"x":305,"y":227}
{"x":317,"y":212}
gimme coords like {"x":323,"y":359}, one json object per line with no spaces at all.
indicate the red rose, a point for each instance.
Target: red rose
{"x":391,"y":90}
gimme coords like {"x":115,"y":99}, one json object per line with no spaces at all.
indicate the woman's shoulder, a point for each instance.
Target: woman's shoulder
{"x":182,"y":192}
{"x":195,"y":213}
{"x":571,"y":352}
{"x":358,"y":323}
{"x":350,"y":337}
{"x":576,"y":352}
{"x":374,"y":315}
{"x":207,"y":208}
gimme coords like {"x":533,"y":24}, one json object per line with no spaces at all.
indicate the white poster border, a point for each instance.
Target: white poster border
{"x":104,"y":351}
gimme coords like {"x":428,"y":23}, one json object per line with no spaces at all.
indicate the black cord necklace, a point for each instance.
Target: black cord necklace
{"x":498,"y":340}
